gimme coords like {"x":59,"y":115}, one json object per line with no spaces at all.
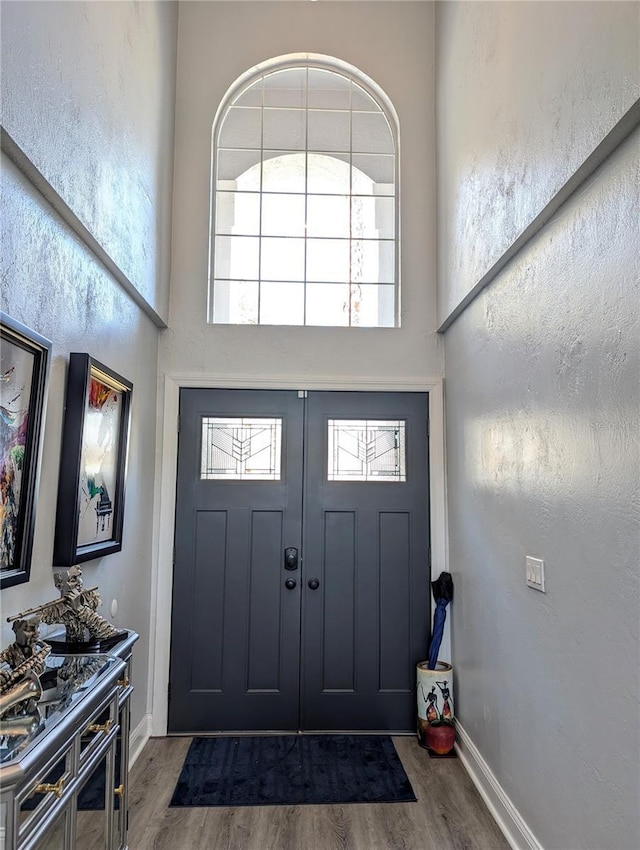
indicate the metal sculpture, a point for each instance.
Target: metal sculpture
{"x":24,"y":662}
{"x":75,"y":610}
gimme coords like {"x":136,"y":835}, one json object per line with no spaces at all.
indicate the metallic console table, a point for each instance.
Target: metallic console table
{"x":64,"y":771}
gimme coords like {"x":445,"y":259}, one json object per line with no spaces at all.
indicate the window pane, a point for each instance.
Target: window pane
{"x":286,"y":88}
{"x":231,"y":164}
{"x":329,"y":131}
{"x":282,"y":259}
{"x":328,"y":260}
{"x":372,"y":305}
{"x":281,"y":303}
{"x":237,"y":449}
{"x":328,"y":174}
{"x":372,"y":262}
{"x":372,"y":218}
{"x":376,"y":306}
{"x":360,"y":100}
{"x":241,"y":128}
{"x":251,"y":96}
{"x":328,"y":215}
{"x":366,"y":451}
{"x":237,"y":212}
{"x":380,"y":168}
{"x":371,"y":133}
{"x":328,"y":90}
{"x":237,"y":257}
{"x":250,"y":180}
{"x":284,"y":129}
{"x":283,"y":215}
{"x":235,"y":302}
{"x":328,"y":304}
{"x":283,"y":172}
{"x":363,"y":217}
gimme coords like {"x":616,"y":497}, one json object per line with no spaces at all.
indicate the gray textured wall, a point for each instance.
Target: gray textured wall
{"x":526,"y":91}
{"x":88,"y":92}
{"x":543,"y":427}
{"x":542,"y":406}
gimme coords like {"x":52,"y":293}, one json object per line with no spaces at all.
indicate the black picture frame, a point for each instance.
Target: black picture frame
{"x":93,"y":462}
{"x":24,"y":371}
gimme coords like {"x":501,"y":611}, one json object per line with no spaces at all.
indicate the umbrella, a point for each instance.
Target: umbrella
{"x":442,"y":589}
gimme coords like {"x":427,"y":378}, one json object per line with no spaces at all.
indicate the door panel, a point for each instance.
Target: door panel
{"x":333,"y":642}
{"x":337,"y":592}
{"x":235,"y":626}
{"x":367,"y":543}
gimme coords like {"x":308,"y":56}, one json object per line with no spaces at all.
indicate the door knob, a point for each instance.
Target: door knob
{"x":314,"y":584}
{"x":291,"y":558}
{"x":290,"y":583}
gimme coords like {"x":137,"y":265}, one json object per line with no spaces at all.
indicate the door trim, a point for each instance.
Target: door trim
{"x":165,"y":497}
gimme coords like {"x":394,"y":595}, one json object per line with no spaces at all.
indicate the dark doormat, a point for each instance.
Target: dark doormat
{"x":289,"y":770}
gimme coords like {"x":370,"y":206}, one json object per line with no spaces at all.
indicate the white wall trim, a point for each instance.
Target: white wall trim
{"x":508,"y":818}
{"x":301,"y":382}
{"x":138,"y":738}
{"x":162,"y":578}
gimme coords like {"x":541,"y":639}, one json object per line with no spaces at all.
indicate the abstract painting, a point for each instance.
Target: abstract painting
{"x":98,"y":462}
{"x":90,"y":511}
{"x":24,"y":367}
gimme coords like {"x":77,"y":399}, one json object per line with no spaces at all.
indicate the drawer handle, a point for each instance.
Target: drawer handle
{"x":101,"y":727}
{"x":47,"y":788}
{"x":124,"y":682}
{"x":119,"y":791}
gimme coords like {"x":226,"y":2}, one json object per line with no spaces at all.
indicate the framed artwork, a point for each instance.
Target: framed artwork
{"x":93,"y":463}
{"x":24,"y":374}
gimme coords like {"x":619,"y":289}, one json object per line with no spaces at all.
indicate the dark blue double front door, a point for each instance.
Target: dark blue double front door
{"x":300,"y":589}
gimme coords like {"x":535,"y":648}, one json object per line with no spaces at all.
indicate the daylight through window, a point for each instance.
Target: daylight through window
{"x":304,"y":204}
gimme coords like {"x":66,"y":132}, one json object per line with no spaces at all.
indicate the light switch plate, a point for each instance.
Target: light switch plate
{"x":534,"y":573}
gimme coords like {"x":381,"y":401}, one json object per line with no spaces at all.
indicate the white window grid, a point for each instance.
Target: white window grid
{"x":356,"y":84}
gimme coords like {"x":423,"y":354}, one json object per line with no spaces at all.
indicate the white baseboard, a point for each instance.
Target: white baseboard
{"x":138,"y":738}
{"x":508,"y":818}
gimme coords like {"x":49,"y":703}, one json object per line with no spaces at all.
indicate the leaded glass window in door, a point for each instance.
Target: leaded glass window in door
{"x":241,"y":449}
{"x":366,"y":450}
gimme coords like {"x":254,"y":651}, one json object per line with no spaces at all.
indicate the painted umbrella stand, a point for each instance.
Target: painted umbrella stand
{"x":436,"y":730}
{"x":436,"y":725}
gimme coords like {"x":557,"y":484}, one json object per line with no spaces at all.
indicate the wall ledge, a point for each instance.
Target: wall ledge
{"x":506,"y":815}
{"x":12,"y":149}
{"x":614,"y":138}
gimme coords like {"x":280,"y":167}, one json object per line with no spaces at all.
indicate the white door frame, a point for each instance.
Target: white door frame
{"x":165,"y":500}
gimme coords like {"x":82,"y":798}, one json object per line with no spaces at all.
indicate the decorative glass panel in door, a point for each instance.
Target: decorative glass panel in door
{"x":241,"y":449}
{"x":366,"y":450}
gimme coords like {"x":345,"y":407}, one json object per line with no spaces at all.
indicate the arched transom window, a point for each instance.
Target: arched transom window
{"x":304,"y":201}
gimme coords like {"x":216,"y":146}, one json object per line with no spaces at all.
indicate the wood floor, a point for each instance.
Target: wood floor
{"x":449,"y":814}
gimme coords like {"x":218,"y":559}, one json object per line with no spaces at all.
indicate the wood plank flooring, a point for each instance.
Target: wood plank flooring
{"x":449,"y":814}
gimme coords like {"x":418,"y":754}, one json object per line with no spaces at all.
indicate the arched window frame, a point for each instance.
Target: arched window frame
{"x":322,"y":62}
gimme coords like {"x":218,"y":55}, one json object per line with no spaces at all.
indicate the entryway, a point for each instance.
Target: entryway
{"x":450,"y":812}
{"x":301,"y":572}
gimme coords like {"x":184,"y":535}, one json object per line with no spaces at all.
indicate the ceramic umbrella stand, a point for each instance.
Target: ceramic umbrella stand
{"x":436,"y":730}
